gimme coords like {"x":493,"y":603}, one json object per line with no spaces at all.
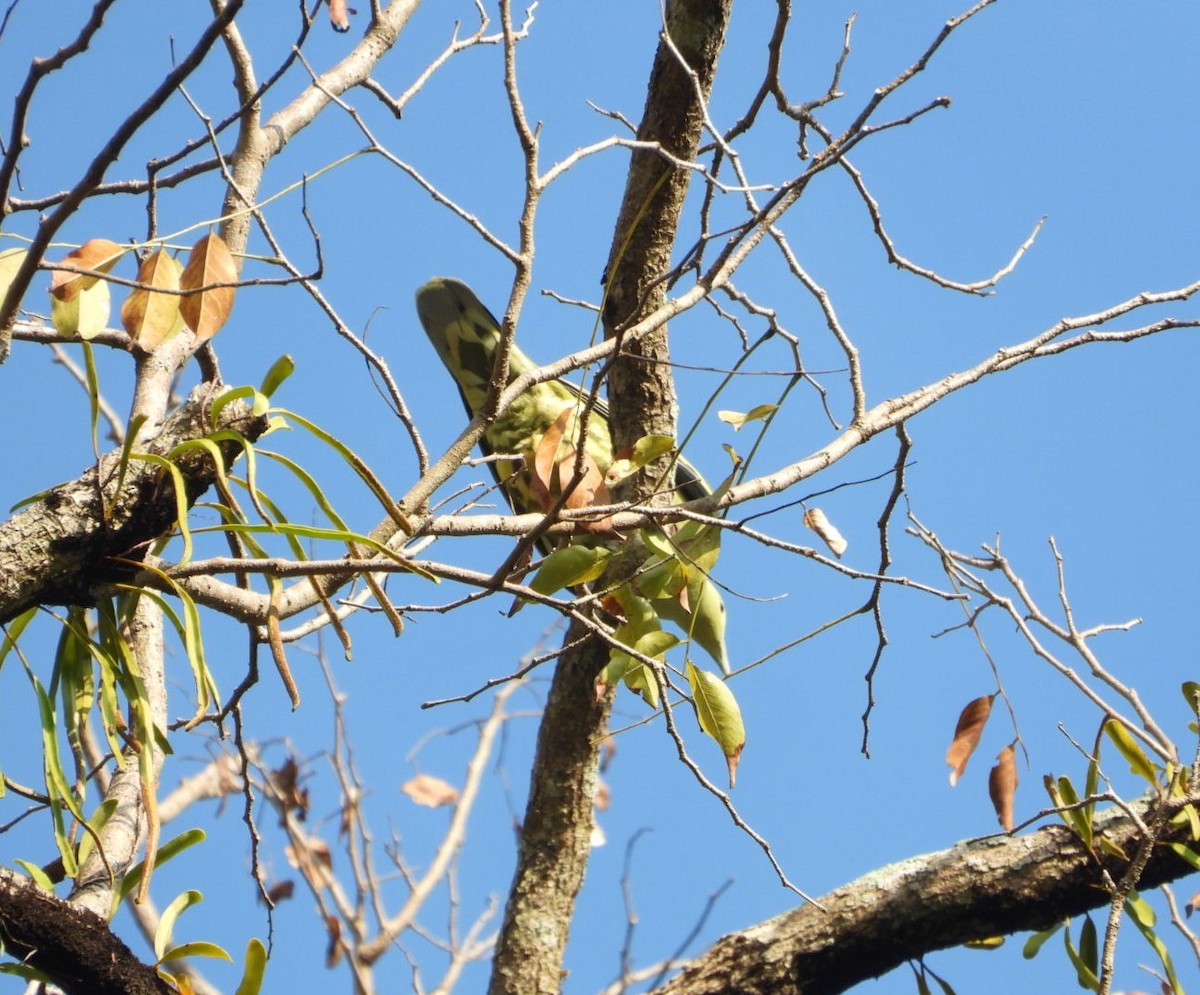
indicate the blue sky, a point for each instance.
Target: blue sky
{"x":1079,"y":112}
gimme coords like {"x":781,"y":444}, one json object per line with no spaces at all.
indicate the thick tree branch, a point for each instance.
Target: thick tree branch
{"x":972,"y":891}
{"x":72,"y":946}
{"x":61,"y":549}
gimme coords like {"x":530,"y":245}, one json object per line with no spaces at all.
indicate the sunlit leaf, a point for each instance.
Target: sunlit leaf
{"x":1002,"y":786}
{"x":207,"y":308}
{"x":967,"y":731}
{"x":738,"y":418}
{"x":256,"y":966}
{"x":197,"y":948}
{"x":150,"y":316}
{"x":719,"y":715}
{"x":97,"y":255}
{"x":1084,"y":974}
{"x":166,"y":924}
{"x":337,"y":15}
{"x":814,"y":518}
{"x":647,"y":449}
{"x":569,"y":567}
{"x":432,"y":792}
{"x":1191,"y":694}
{"x":10,"y":262}
{"x":280,"y":370}
{"x":1129,"y":748}
{"x":985,"y":943}
{"x":85,"y":314}
{"x":1187,"y":853}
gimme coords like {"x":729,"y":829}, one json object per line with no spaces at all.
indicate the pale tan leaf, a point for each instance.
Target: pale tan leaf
{"x":815,"y":519}
{"x":1002,"y":786}
{"x":430,"y":791}
{"x":10,"y":262}
{"x":337,"y":15}
{"x":603,"y":796}
{"x":1193,"y":904}
{"x":98,"y":255}
{"x":554,"y":469}
{"x":151,"y":317}
{"x":739,"y":418}
{"x":970,"y":725}
{"x":206,"y":310}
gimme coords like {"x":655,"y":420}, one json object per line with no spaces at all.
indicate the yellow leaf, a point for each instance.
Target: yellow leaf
{"x":86,"y":312}
{"x":206,"y":310}
{"x":737,"y":418}
{"x":718,"y":714}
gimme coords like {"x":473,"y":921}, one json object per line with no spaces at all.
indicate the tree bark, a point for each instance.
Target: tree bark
{"x":555,"y":838}
{"x":60,"y":549}
{"x":71,"y":946}
{"x":971,"y":891}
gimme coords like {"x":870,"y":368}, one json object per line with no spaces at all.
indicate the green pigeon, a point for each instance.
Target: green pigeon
{"x":466,"y":336}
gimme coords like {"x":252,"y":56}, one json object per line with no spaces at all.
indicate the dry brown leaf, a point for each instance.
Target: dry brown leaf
{"x":815,"y":519}
{"x":430,"y":791}
{"x":98,"y":255}
{"x":970,"y":725}
{"x":205,"y":311}
{"x":280,"y":891}
{"x":1002,"y":786}
{"x":603,"y":796}
{"x":554,"y":469}
{"x":333,"y":952}
{"x":1193,"y":904}
{"x":150,"y":317}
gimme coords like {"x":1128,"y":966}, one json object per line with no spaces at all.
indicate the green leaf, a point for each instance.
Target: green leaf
{"x":1128,"y":747}
{"x":647,"y":449}
{"x":172,"y":848}
{"x":197,"y":948}
{"x":1089,"y":948}
{"x":1077,"y":818}
{"x":166,"y":925}
{"x":737,"y":419}
{"x":1191,"y":694}
{"x":280,"y":370}
{"x":1159,"y":948}
{"x":569,"y":567}
{"x":40,"y":877}
{"x":718,"y":714}
{"x":1140,"y":909}
{"x":256,"y":966}
{"x":1087,"y":978}
{"x":10,"y":262}
{"x":1034,"y":943}
{"x":1187,"y":853}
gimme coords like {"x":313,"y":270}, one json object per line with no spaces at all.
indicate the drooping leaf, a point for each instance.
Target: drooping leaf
{"x":1089,"y":947}
{"x":1129,"y":748}
{"x":149,"y":316}
{"x":207,"y":307}
{"x":1002,"y":786}
{"x":98,"y":255}
{"x":197,"y":948}
{"x":1034,"y":943}
{"x":430,"y":791}
{"x":280,"y":370}
{"x":738,"y":418}
{"x":814,"y":518}
{"x":967,"y":732}
{"x":1084,"y":974}
{"x":10,"y":262}
{"x":718,"y":714}
{"x":86,"y":312}
{"x":554,"y":463}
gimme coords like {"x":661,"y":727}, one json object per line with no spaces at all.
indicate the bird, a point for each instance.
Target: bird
{"x":539,"y":428}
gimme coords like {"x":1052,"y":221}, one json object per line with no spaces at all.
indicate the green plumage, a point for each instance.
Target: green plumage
{"x":466,"y":336}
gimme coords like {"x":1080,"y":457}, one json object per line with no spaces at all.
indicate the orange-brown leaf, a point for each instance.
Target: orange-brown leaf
{"x":1193,"y":904}
{"x":554,"y":469}
{"x":206,"y":310}
{"x":970,"y":725}
{"x":97,"y":255}
{"x":430,"y":791}
{"x":1002,"y":786}
{"x":151,"y":317}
